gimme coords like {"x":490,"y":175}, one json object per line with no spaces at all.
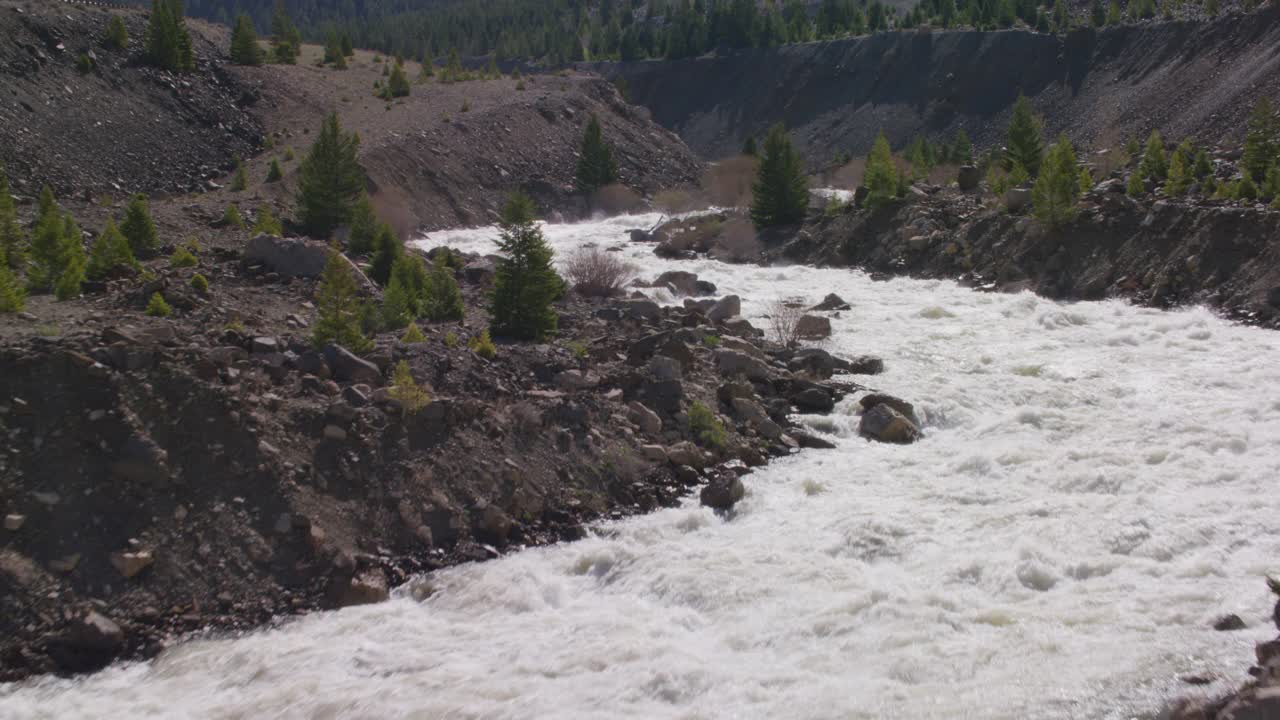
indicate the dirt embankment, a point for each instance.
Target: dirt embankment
{"x":1100,"y":87}
{"x":1162,"y":253}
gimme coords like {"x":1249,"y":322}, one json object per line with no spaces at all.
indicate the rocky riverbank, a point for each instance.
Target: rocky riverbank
{"x":163,"y":476}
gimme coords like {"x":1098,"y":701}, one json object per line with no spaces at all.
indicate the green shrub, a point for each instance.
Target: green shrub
{"x":443,"y":299}
{"x":200,"y":284}
{"x":13,"y":296}
{"x":451,"y":339}
{"x":182,"y":258}
{"x":84,"y":64}
{"x":157,"y":307}
{"x":1054,"y":195}
{"x":139,"y":228}
{"x":117,"y":35}
{"x":413,"y":334}
{"x":266,"y":223}
{"x":705,"y":426}
{"x":239,"y":179}
{"x":232,"y":218}
{"x":482,"y":345}
{"x":596,"y":166}
{"x":525,"y":283}
{"x":338,"y":307}
{"x":274,"y":174}
{"x":881,"y":177}
{"x":780,"y":193}
{"x":406,"y":391}
{"x":110,"y":251}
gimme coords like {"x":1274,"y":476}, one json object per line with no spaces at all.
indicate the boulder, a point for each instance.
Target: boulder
{"x":347,"y":367}
{"x":1017,"y":199}
{"x":866,"y":365}
{"x":295,"y":257}
{"x":811,"y":442}
{"x":813,"y":400}
{"x":662,"y":367}
{"x":653,"y":453}
{"x":686,"y":453}
{"x":703,"y":306}
{"x":831,"y":303}
{"x":723,"y":492}
{"x":968,"y":178}
{"x":902,"y":406}
{"x":813,"y":327}
{"x":641,"y":236}
{"x":13,"y":522}
{"x":748,"y":410}
{"x":1261,"y":703}
{"x":677,"y":350}
{"x":479,"y":272}
{"x":262,"y":345}
{"x":729,"y":306}
{"x":814,"y":362}
{"x":649,"y":422}
{"x":663,"y":395}
{"x":574,"y":380}
{"x":1228,"y":623}
{"x":129,"y":564}
{"x":885,"y":424}
{"x":729,"y":342}
{"x":365,"y":588}
{"x":680,"y":281}
{"x":741,"y":328}
{"x":733,"y":363}
{"x":639,"y":309}
{"x":88,"y":642}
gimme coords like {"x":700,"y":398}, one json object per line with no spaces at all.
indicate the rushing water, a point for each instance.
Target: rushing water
{"x":1096,"y":486}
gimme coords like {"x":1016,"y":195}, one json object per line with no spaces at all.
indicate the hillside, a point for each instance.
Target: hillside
{"x":1099,"y":87}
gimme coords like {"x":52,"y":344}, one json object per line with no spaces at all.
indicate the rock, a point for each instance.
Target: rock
{"x":573,"y":380}
{"x":347,"y":367}
{"x":141,"y":460}
{"x":968,"y":178}
{"x":831,"y":303}
{"x":679,"y":351}
{"x":733,"y":364}
{"x":749,"y":411}
{"x":664,"y":368}
{"x":663,"y":395}
{"x":293,"y":257}
{"x":1017,"y":199}
{"x":641,"y":236}
{"x":866,"y":365}
{"x":1253,"y":704}
{"x":729,"y":342}
{"x":815,"y":362}
{"x":905,"y":408}
{"x":89,"y":642}
{"x":813,"y":399}
{"x":738,"y":389}
{"x":885,"y":424}
{"x":723,"y":492}
{"x":642,"y":417}
{"x":265,"y":345}
{"x":129,"y":564}
{"x":227,"y":356}
{"x":479,"y":272}
{"x":354,"y":397}
{"x":813,"y":327}
{"x":14,"y":522}
{"x":770,"y":429}
{"x":740,"y":327}
{"x":703,"y":306}
{"x":686,"y":453}
{"x":639,"y":309}
{"x":1227,"y":623}
{"x":671,"y":250}
{"x":727,"y":307}
{"x":365,"y":588}
{"x":653,"y":453}
{"x":334,"y":433}
{"x":680,"y":281}
{"x":495,"y":524}
{"x":812,"y":442}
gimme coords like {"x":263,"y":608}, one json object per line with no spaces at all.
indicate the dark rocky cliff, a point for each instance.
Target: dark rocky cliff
{"x":1099,"y":87}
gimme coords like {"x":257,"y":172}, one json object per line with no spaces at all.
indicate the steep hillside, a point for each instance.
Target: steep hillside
{"x":1185,"y":78}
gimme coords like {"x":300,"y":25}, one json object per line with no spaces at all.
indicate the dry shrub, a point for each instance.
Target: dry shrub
{"x":943,"y":175}
{"x":674,"y":202}
{"x":728,"y":182}
{"x":784,"y":320}
{"x":616,"y":200}
{"x":849,"y":175}
{"x":595,"y":273}
{"x":738,"y":242}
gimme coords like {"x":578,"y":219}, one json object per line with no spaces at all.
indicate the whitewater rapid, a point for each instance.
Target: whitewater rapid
{"x":1095,"y":488}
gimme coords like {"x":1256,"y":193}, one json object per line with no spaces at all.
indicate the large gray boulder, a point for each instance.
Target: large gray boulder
{"x":729,"y":306}
{"x":968,"y":178}
{"x":813,"y":327}
{"x":296,"y":257}
{"x":347,"y":367}
{"x":723,"y":492}
{"x":733,"y":363}
{"x":887,"y":425}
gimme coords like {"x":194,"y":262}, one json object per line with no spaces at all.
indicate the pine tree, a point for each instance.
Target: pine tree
{"x":881,"y":177}
{"x":244,"y":43}
{"x":453,"y":68}
{"x":398,"y":84}
{"x":1271,"y":186}
{"x":239,"y":178}
{"x":1085,"y":180}
{"x":1203,"y":168}
{"x":46,"y":243}
{"x":1057,"y":188}
{"x":780,"y":193}
{"x":1262,"y":141}
{"x":1155,"y":165}
{"x":1025,"y":146}
{"x":13,"y":296}
{"x":286,"y":41}
{"x":413,"y":334}
{"x":1246,"y":189}
{"x":265,"y":223}
{"x":1179,"y":174}
{"x":387,"y":249}
{"x":596,"y":167}
{"x":338,"y":307}
{"x":110,"y":251}
{"x":157,"y":307}
{"x":525,"y":284}
{"x":962,"y":149}
{"x":71,"y":261}
{"x":1211,"y":8}
{"x":1135,"y":187}
{"x":117,"y":34}
{"x":13,"y":242}
{"x":168,"y":42}
{"x":362,"y":227}
{"x":749,"y":146}
{"x":274,"y":173}
{"x":1098,"y":14}
{"x":491,"y":69}
{"x":1113,"y":14}
{"x":330,"y":180}
{"x":344,"y":42}
{"x":139,"y":228}
{"x":443,"y":299}
{"x":405,"y":292}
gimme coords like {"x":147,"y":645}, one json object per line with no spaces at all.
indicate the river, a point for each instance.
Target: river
{"x":1095,"y":488}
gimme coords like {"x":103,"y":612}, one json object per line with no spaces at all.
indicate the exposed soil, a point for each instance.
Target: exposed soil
{"x":1100,"y":87}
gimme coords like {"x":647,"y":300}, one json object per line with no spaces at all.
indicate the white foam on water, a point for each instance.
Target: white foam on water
{"x":1095,"y":487}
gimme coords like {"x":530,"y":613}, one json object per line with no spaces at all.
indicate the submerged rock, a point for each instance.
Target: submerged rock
{"x":885,"y":424}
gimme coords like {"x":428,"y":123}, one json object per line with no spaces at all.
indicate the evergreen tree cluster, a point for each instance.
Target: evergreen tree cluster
{"x":244,"y":43}
{"x":780,"y":193}
{"x":168,"y":43}
{"x":596,"y":166}
{"x":331,"y":180}
{"x":525,"y":283}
